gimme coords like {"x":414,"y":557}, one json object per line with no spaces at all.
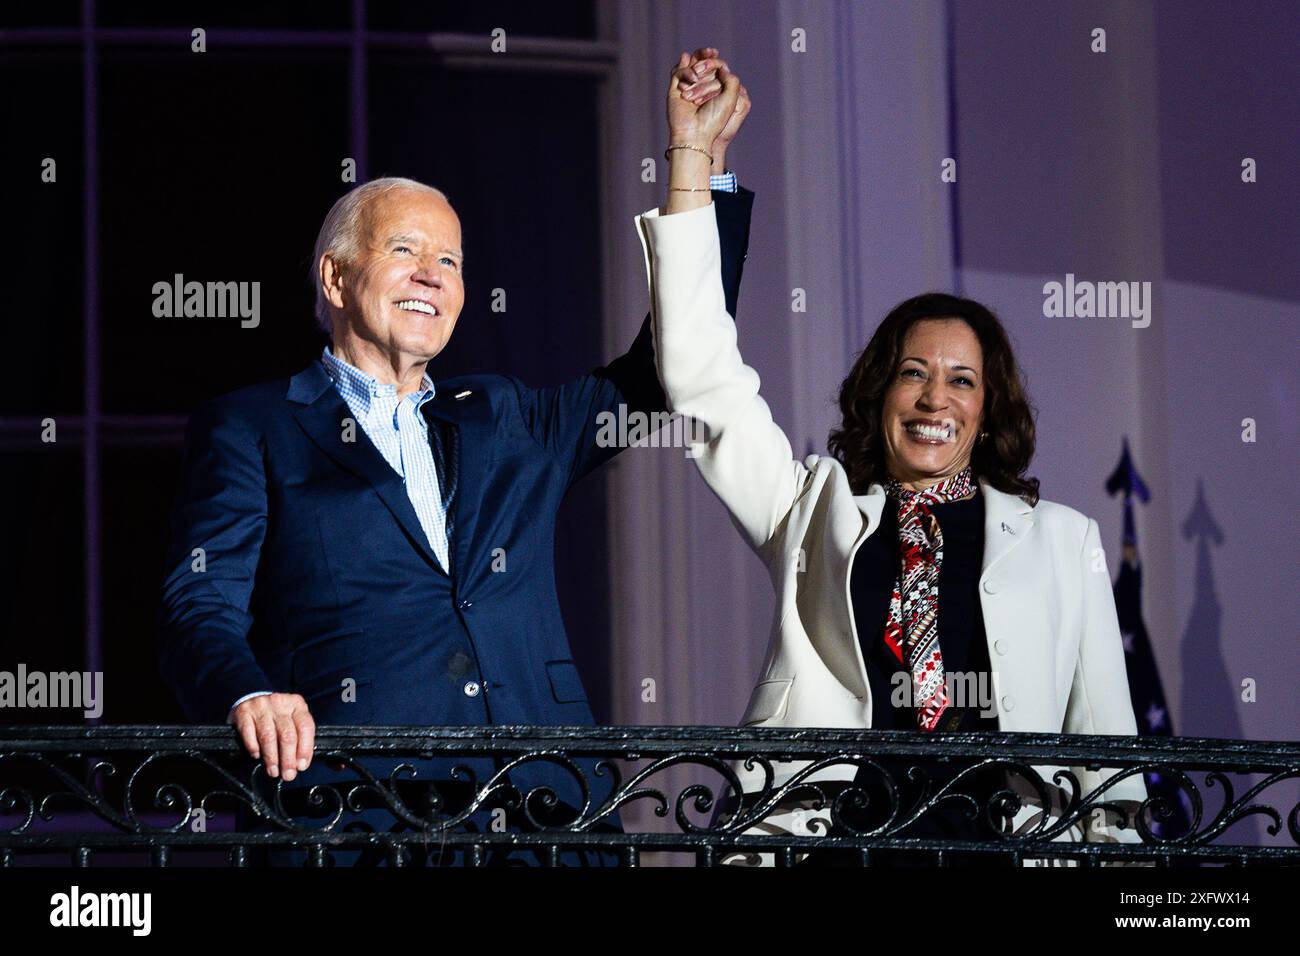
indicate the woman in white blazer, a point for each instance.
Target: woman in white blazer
{"x":926,"y":473}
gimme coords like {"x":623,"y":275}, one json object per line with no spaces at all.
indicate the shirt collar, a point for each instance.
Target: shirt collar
{"x":350,"y":380}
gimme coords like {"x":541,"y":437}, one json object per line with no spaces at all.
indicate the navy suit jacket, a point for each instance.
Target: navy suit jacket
{"x":314,"y":568}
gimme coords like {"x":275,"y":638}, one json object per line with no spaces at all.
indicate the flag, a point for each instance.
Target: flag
{"x":1145,"y":690}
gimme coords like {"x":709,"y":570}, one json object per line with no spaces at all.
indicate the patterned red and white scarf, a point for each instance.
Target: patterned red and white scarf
{"x":912,"y":631}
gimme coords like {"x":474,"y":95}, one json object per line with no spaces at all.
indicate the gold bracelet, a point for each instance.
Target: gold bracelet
{"x":687,"y":189}
{"x":688,"y":146}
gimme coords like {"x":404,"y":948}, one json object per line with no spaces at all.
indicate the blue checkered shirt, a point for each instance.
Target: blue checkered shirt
{"x":402,"y":436}
{"x":726,"y":182}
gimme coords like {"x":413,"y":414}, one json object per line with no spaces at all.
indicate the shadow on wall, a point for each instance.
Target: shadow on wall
{"x":1209,"y":702}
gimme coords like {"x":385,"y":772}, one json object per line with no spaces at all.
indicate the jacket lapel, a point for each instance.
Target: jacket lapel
{"x":1007,"y":520}
{"x":464,"y":419}
{"x":321,"y":417}
{"x":872,"y":506}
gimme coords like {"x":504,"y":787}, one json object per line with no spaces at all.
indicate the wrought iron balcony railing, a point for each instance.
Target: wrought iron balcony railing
{"x":478,"y":795}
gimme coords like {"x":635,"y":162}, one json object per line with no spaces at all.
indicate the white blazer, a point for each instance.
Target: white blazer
{"x":1049,"y":614}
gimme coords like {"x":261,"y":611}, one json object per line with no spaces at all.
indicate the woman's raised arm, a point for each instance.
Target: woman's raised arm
{"x":746,"y":459}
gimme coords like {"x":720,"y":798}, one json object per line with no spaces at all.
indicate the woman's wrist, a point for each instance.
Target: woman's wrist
{"x":689,"y":166}
{"x":693,"y":138}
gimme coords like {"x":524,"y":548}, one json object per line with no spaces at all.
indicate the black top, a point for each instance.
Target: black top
{"x":962,"y":639}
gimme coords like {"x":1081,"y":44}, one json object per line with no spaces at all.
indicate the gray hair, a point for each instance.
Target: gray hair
{"x":340,"y":233}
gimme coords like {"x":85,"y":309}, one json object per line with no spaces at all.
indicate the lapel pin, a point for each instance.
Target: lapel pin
{"x":464,"y":394}
{"x":1006,"y":529}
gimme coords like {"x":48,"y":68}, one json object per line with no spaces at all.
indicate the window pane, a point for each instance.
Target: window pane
{"x":42,"y":246}
{"x":575,"y":20}
{"x":137,"y":487}
{"x":521,"y":171}
{"x":219,"y":169}
{"x":47,"y":13}
{"x":278,"y":14}
{"x":42,"y":566}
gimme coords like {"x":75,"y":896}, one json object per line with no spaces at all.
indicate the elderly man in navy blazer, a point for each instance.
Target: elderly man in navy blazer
{"x":338,"y":539}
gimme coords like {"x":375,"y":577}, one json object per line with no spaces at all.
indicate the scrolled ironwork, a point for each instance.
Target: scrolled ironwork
{"x":641,"y":789}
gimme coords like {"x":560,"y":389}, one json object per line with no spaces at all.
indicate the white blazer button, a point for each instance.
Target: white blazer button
{"x":472,"y":688}
{"x":1008,"y":703}
{"x":990,"y":586}
{"x":1000,"y":646}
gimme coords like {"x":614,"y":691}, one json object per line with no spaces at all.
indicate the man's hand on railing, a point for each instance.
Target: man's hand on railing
{"x":277,"y":729}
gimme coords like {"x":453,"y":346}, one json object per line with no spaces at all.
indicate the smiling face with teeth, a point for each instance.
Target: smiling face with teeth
{"x":934,"y":404}
{"x":399,"y":296}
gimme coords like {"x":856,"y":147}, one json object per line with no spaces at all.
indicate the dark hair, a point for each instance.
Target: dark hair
{"x":1000,"y":459}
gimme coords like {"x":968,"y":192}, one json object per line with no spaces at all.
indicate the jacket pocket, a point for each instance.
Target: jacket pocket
{"x":768,"y":701}
{"x":319,"y":669}
{"x":566,"y":684}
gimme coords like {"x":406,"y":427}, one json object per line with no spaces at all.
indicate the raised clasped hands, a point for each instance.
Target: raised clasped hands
{"x":707,"y":105}
{"x":704,"y":99}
